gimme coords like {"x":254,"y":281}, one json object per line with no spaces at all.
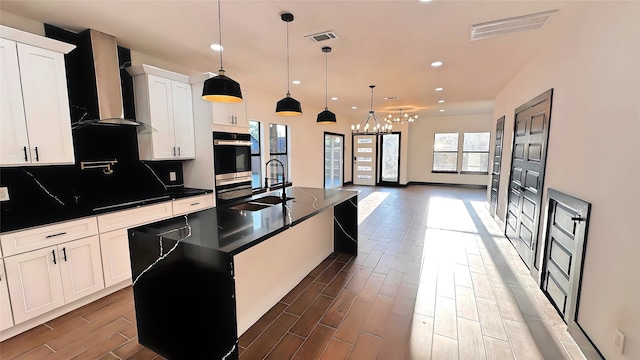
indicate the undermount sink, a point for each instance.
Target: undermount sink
{"x":271,"y":199}
{"x":249,"y":206}
{"x":259,"y":203}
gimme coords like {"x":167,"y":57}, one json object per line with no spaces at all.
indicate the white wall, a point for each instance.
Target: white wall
{"x":306,"y":138}
{"x":594,"y":154}
{"x":421,"y":138}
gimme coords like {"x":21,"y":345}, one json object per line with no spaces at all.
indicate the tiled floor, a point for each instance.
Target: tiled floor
{"x":434,"y":279}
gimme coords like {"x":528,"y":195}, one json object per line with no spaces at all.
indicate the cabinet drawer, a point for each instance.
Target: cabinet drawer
{"x":134,"y":217}
{"x":191,"y":204}
{"x":32,"y":239}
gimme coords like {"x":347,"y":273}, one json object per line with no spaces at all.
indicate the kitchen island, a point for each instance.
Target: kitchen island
{"x":202,"y":279}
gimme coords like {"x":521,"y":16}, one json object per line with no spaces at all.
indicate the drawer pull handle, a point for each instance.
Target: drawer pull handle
{"x":64,"y":254}
{"x":58,"y":234}
{"x":195,"y":203}
{"x":54,"y":256}
{"x":37,"y":156}
{"x":24,"y":148}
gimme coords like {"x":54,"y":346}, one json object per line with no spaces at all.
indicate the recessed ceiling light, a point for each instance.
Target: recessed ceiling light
{"x":354,"y":107}
{"x":334,"y":98}
{"x":425,"y":0}
{"x":437,"y":63}
{"x":439,"y":89}
{"x":296,"y":82}
{"x":216,"y":47}
{"x":440,"y":101}
{"x":441,"y":110}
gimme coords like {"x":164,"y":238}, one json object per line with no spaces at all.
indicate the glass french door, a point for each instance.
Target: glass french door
{"x":390,"y":159}
{"x":333,"y":160}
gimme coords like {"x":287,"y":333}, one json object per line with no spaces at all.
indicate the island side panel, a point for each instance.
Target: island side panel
{"x":184,"y":302}
{"x":265,"y":273}
{"x":345,"y":226}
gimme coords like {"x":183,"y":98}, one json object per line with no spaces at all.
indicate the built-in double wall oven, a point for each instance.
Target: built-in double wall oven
{"x":232,"y":165}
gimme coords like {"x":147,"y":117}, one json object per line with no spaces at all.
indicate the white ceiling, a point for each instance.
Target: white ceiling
{"x":387,"y":43}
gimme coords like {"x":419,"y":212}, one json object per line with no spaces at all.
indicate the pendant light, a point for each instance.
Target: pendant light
{"x":221,"y":88}
{"x":378,"y":126}
{"x":288,"y":106}
{"x":326,"y":117}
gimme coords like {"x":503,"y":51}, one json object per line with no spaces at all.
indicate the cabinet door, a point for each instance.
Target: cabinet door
{"x":81,"y":268}
{"x":161,"y":115}
{"x":183,"y":120}
{"x":240,"y":116}
{"x":14,"y":144}
{"x":116,"y":265}
{"x":35,"y":284}
{"x":221,"y":114}
{"x":192,"y":204}
{"x":46,"y":105}
{"x":6,"y":317}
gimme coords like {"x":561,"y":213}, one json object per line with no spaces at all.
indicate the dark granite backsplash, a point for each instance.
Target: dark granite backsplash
{"x":42,"y":191}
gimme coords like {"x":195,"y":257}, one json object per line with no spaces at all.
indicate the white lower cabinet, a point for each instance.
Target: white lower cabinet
{"x":51,"y":266}
{"x":42,"y":280}
{"x":192,"y":204}
{"x":116,"y":265}
{"x":6,"y":316}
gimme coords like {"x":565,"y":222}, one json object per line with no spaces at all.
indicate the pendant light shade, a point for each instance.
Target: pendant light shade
{"x":326,"y":117}
{"x":288,"y":106}
{"x":221,"y":88}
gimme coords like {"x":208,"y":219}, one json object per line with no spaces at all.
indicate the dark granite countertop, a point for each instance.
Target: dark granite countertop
{"x":21,"y":216}
{"x":232,"y":231}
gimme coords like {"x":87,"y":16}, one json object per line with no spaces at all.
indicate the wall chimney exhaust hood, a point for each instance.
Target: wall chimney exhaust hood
{"x":94,"y":79}
{"x":107,"y":79}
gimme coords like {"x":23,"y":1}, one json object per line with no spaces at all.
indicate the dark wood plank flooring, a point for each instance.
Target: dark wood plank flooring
{"x":434,"y":279}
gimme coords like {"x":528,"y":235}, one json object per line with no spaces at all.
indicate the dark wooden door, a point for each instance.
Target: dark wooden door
{"x":497,"y":162}
{"x":564,"y":249}
{"x":528,"y":158}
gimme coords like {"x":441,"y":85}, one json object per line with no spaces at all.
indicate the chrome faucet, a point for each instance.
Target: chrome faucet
{"x":284,"y":179}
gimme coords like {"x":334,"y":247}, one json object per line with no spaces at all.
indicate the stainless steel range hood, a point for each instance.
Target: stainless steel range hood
{"x":104,"y":51}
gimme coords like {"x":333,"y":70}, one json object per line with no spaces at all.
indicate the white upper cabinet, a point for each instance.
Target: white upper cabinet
{"x":35,"y":122}
{"x":163,"y":101}
{"x":224,"y":117}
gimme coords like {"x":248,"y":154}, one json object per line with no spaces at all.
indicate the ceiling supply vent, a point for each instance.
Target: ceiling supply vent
{"x":391,"y":98}
{"x":510,"y":25}
{"x":323,"y":36}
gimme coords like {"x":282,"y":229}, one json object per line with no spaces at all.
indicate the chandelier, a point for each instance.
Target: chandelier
{"x":376,"y":126}
{"x":401,"y":118}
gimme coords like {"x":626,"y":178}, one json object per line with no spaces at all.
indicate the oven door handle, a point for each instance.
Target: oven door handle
{"x":234,"y":181}
{"x":232,"y":142}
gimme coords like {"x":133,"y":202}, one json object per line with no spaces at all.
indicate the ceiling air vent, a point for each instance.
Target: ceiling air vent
{"x":323,"y":36}
{"x":510,"y":25}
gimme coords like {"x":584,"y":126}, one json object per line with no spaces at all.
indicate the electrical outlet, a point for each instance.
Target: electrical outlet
{"x":619,"y":340}
{"x":172,"y":176}
{"x":4,"y":193}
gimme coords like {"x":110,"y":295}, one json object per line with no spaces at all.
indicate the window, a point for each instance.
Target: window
{"x":475,"y":152}
{"x":445,"y":153}
{"x":277,"y":150}
{"x":256,"y":168}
